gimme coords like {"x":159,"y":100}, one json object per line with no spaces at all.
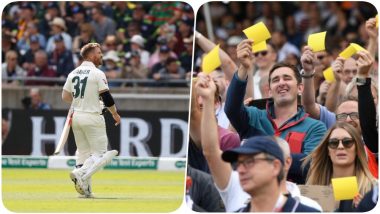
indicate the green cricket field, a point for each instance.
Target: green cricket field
{"x":51,"y":190}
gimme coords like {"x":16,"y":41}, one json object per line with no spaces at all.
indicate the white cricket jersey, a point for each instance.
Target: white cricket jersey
{"x":84,"y":83}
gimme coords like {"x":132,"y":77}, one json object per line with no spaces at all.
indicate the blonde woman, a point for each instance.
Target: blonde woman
{"x":340,"y":154}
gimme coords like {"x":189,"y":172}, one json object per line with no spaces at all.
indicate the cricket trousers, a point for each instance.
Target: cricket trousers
{"x":90,"y":135}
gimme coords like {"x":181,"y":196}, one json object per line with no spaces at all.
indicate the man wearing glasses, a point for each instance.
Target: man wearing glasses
{"x":259,"y":162}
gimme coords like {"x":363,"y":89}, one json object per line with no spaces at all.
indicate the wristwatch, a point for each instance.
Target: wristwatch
{"x":306,"y":76}
{"x":362,"y":81}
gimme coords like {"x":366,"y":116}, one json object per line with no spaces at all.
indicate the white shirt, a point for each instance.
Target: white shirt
{"x":256,"y":86}
{"x":234,"y":197}
{"x":84,"y":83}
{"x":222,"y":117}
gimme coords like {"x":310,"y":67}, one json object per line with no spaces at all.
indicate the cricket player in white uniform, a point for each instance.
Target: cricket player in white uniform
{"x":82,"y":90}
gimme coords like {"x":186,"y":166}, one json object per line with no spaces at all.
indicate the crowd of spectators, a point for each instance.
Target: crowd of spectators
{"x":140,"y":40}
{"x":295,"y":127}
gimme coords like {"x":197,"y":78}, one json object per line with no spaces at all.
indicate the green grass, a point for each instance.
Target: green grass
{"x":47,"y":190}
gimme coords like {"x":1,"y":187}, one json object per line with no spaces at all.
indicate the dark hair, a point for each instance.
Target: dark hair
{"x":284,"y":64}
{"x":170,"y":60}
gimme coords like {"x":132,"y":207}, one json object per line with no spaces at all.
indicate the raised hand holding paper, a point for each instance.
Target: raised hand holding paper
{"x":351,"y":50}
{"x":316,"y":41}
{"x":257,"y":32}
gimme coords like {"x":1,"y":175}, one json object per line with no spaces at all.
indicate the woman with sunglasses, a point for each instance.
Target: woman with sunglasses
{"x":340,"y":154}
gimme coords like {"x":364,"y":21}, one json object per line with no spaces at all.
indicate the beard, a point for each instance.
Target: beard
{"x":99,"y":62}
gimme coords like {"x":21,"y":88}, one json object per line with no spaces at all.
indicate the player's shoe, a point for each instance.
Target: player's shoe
{"x":87,"y":188}
{"x":99,"y":163}
{"x":78,"y":182}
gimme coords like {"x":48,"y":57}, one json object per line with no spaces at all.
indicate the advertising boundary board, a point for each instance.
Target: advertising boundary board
{"x":118,"y":163}
{"x":140,"y":134}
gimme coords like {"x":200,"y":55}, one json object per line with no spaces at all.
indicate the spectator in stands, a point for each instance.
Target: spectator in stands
{"x":294,"y":36}
{"x":36,"y":99}
{"x":77,"y":19}
{"x":121,"y":13}
{"x":185,"y":30}
{"x":137,"y":44}
{"x":23,"y":44}
{"x":26,"y":16}
{"x":268,"y":15}
{"x":172,"y":70}
{"x":264,"y":87}
{"x":50,"y":12}
{"x":314,"y":20}
{"x":61,"y":59}
{"x":104,"y":25}
{"x":346,"y":108}
{"x":232,"y":42}
{"x":283,"y":116}
{"x":86,"y":36}
{"x":27,"y":60}
{"x":155,"y":57}
{"x":292,"y":59}
{"x":345,"y":71}
{"x":41,"y":69}
{"x":146,"y":27}
{"x":308,"y":99}
{"x":221,"y":76}
{"x":264,"y":61}
{"x":187,"y":11}
{"x":186,"y":56}
{"x":161,"y":13}
{"x":10,"y":68}
{"x":111,"y":67}
{"x":168,"y":32}
{"x":58,"y":27}
{"x":164,"y":54}
{"x":124,"y":36}
{"x":226,"y":138}
{"x":260,"y":164}
{"x":322,"y":62}
{"x":134,"y":69}
{"x":226,"y":180}
{"x":7,"y":43}
{"x":283,"y":47}
{"x":111,"y":43}
{"x":341,"y":154}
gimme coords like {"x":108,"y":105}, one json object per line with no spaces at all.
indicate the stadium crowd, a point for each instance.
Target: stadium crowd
{"x":140,"y":40}
{"x":266,"y":121}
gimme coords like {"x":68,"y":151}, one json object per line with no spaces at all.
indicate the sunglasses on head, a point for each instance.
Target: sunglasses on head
{"x":343,"y":116}
{"x":262,"y":53}
{"x":347,"y":143}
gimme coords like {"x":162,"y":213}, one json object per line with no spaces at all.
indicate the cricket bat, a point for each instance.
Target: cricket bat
{"x":65,"y":133}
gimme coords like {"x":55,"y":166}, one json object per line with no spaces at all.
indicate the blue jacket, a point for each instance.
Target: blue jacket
{"x":301,"y":132}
